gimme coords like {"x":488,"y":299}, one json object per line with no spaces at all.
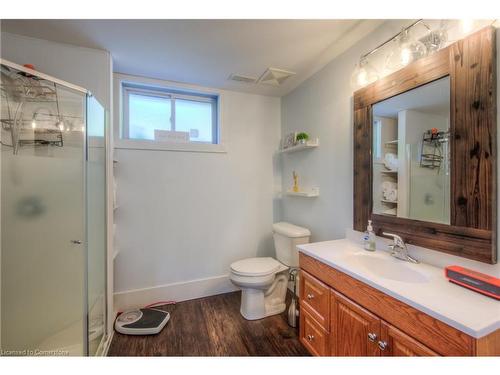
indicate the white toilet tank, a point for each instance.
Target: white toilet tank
{"x":286,"y":237}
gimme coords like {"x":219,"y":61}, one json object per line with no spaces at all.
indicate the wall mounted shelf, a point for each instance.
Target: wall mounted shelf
{"x":309,"y":193}
{"x":389,"y":172}
{"x":299,"y":147}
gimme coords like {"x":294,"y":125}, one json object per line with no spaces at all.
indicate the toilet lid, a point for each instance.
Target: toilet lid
{"x":255,"y":266}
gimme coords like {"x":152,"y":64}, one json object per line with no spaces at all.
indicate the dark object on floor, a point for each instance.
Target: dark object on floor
{"x":213,"y":326}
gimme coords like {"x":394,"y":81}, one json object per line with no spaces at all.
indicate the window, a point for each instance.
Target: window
{"x":164,"y":115}
{"x":377,"y":139}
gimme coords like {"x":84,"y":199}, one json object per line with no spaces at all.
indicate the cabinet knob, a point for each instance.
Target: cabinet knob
{"x":310,"y":337}
{"x":372,"y":336}
{"x":382,"y":345}
{"x":310,"y":296}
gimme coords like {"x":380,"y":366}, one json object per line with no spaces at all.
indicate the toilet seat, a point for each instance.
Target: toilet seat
{"x":254,"y":267}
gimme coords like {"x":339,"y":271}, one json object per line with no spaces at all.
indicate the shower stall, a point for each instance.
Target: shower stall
{"x":53,"y":216}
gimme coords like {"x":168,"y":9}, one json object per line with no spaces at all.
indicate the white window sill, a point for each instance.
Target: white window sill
{"x":166,"y":146}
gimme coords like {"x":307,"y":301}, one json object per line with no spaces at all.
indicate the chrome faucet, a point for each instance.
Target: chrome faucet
{"x":398,"y":248}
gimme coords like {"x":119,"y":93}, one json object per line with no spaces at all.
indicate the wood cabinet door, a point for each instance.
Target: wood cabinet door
{"x":354,"y":330}
{"x":395,"y":343}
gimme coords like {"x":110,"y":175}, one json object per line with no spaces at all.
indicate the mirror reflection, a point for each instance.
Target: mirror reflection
{"x":411,"y":154}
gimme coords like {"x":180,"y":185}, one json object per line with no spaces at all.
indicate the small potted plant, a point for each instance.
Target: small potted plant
{"x":302,"y":138}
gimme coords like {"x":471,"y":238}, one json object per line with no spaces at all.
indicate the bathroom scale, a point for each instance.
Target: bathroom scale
{"x":141,"y":322}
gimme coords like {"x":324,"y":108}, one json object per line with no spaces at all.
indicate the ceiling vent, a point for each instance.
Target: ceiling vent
{"x":275,"y":77}
{"x":242,"y":78}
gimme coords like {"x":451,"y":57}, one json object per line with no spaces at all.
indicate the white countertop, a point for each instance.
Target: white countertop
{"x":465,"y":310}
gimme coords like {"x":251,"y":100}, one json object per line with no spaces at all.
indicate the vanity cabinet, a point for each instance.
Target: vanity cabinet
{"x":342,"y":316}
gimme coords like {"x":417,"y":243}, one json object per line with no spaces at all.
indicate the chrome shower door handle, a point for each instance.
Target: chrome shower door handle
{"x":76,"y":242}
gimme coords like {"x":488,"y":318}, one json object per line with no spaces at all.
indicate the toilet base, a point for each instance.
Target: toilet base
{"x":259,"y":304}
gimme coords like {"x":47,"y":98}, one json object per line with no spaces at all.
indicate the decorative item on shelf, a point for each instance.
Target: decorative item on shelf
{"x":289,"y":141}
{"x":302,"y":138}
{"x":295,"y":187}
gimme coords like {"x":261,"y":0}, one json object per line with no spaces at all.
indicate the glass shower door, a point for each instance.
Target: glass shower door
{"x":43,"y":310}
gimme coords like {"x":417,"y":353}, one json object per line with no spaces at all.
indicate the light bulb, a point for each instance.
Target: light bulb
{"x":61,"y":126}
{"x":405,"y":56}
{"x":405,"y":51}
{"x":33,"y":124}
{"x":467,"y":25}
{"x":362,"y":77}
{"x":363,"y":74}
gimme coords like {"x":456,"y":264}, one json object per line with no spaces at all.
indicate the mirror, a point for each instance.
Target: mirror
{"x":437,"y":117}
{"x":411,"y":154}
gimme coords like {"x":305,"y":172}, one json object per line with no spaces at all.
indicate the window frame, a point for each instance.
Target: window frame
{"x":124,"y":85}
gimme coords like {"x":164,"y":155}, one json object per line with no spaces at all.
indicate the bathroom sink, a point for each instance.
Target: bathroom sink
{"x":390,"y":268}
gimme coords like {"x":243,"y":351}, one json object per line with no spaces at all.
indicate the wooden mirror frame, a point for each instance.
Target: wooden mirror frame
{"x":471,"y":65}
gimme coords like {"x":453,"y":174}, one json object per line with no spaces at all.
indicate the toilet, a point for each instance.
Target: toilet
{"x":263,"y":281}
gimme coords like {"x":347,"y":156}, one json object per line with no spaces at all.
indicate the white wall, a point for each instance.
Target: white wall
{"x":322,"y":106}
{"x":185,"y":216}
{"x":89,"y":68}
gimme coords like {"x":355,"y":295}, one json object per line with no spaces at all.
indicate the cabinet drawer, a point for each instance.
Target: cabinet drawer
{"x":314,"y":295}
{"x":312,"y":335}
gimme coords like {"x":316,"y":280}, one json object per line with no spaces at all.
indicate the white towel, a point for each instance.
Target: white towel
{"x":391,"y":195}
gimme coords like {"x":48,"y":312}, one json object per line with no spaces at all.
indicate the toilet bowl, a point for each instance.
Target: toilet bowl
{"x":264,"y":280}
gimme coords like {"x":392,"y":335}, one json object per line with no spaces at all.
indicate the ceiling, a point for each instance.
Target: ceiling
{"x":206,"y":52}
{"x":431,"y":98}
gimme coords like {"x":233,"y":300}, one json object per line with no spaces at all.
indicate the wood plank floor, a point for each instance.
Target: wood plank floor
{"x":213,"y":326}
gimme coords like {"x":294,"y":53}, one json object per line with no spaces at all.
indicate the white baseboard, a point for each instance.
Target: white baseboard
{"x":181,"y":291}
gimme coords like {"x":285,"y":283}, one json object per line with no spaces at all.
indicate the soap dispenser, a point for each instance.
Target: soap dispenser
{"x":369,"y":239}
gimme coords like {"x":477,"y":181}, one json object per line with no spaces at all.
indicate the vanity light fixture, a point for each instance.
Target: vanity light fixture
{"x":406,"y":50}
